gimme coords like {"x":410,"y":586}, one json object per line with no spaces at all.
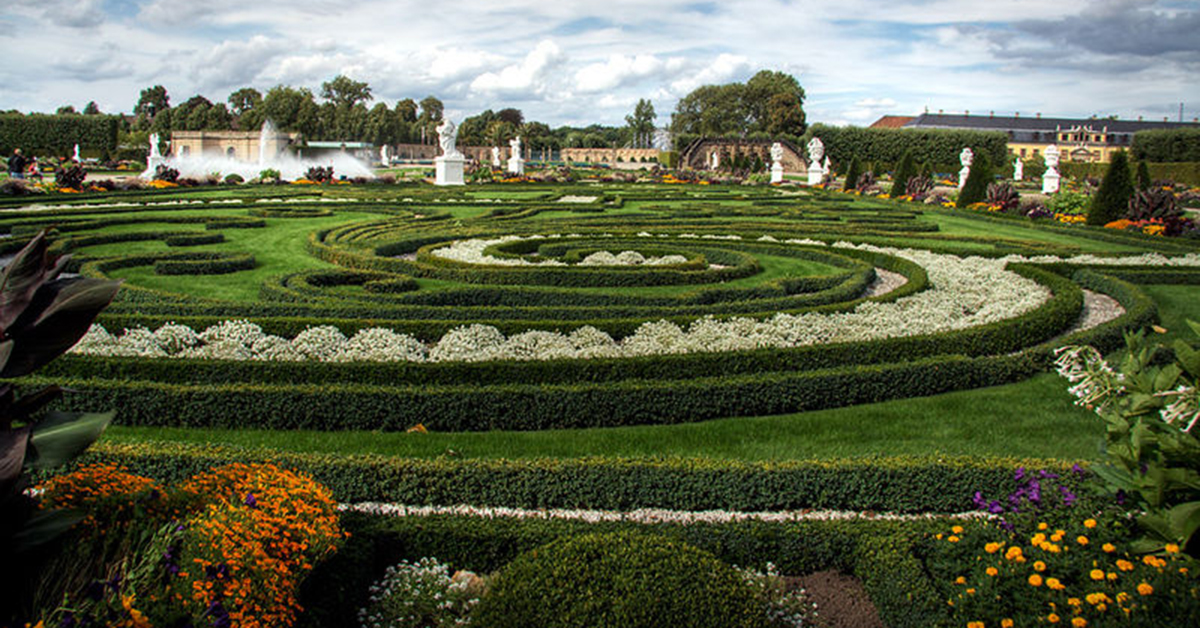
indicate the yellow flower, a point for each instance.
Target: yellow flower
{"x":1006,"y":623}
{"x":992,"y":548}
{"x":1090,"y":523}
{"x":1124,"y":565}
{"x":1037,"y":539}
{"x":992,"y":571}
{"x":1097,"y":574}
{"x":1052,"y":618}
{"x":1079,"y":622}
{"x":1172,"y":548}
{"x":1145,"y":589}
{"x":957,"y":529}
{"x":1074,"y":601}
{"x":1035,"y":580}
{"x":1108,"y":548}
{"x":952,"y":538}
{"x":1054,"y":584}
{"x":960,"y":580}
{"x":1082,"y":540}
{"x":1039,"y":566}
{"x":975,"y":624}
{"x":1043,"y":526}
{"x":1111,"y":575}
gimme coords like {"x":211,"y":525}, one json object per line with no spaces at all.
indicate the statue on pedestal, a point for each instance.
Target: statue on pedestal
{"x":1018,"y":170}
{"x":966,"y":158}
{"x":495,"y":156}
{"x":816,"y":151}
{"x":448,"y":137}
{"x":1051,"y":178}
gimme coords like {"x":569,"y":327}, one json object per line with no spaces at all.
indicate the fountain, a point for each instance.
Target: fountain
{"x":270,"y":156}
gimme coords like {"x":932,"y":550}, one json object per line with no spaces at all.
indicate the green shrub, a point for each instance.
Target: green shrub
{"x":928,"y":146}
{"x":194,"y":240}
{"x":204,"y":264}
{"x":619,"y":580}
{"x":852,"y":174}
{"x":1112,"y":199}
{"x":234,"y":179}
{"x":904,"y":172}
{"x":976,"y":187}
{"x":1143,"y":176}
{"x":57,"y":134}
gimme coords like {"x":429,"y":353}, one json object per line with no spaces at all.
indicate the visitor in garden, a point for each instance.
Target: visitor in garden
{"x":35,"y":169}
{"x":16,"y":165}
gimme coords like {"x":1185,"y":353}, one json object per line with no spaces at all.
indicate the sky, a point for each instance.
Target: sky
{"x":571,"y":62}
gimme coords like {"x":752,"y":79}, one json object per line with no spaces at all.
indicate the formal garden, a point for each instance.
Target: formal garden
{"x":592,"y":398}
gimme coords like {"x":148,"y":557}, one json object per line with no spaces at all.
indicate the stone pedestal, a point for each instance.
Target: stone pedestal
{"x":449,"y":170}
{"x":816,"y":174}
{"x":1050,"y":181}
{"x":516,"y":165}
{"x":777,"y":173}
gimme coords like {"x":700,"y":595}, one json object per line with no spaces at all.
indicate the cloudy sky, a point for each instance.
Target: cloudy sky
{"x":579,"y":62}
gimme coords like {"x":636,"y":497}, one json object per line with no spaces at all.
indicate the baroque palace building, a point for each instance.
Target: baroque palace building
{"x":1087,"y":140}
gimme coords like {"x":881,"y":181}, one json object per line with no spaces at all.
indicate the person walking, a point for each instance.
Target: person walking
{"x":16,"y":165}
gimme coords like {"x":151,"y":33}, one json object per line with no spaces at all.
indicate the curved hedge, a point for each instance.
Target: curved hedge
{"x":204,"y":264}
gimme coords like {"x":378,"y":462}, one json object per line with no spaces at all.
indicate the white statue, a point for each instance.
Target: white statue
{"x":1050,"y":179}
{"x":776,"y":152}
{"x":1018,"y":170}
{"x":516,"y":165}
{"x":77,"y":159}
{"x":966,"y":157}
{"x":714,"y":160}
{"x":448,"y":137}
{"x":495,"y":156}
{"x":816,"y":150}
{"x":383,"y":155}
{"x":154,"y":154}
{"x":776,"y":163}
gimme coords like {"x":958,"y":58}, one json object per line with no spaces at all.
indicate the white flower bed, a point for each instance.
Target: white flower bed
{"x":643,"y":515}
{"x":963,"y":293}
{"x":472,"y":252}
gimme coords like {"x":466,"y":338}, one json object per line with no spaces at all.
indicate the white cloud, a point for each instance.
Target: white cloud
{"x":72,"y":13}
{"x":528,"y":77}
{"x":621,"y":70}
{"x":231,"y":64}
{"x":723,"y":69}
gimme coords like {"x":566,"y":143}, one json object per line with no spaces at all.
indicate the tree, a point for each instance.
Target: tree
{"x":538,"y":136}
{"x":710,"y":110}
{"x":191,"y":115}
{"x":292,"y":109}
{"x":218,"y":118}
{"x":345,"y":92}
{"x":473,"y":131}
{"x":431,"y":115}
{"x":772,"y":102}
{"x":152,"y":101}
{"x":641,"y":123}
{"x":1112,"y":199}
{"x":382,"y":127}
{"x":92,"y":109}
{"x":406,"y":110}
{"x":67,"y":110}
{"x":244,"y":100}
{"x":511,"y":116}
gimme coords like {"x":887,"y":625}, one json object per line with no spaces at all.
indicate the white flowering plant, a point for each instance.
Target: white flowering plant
{"x":421,"y":594}
{"x":1150,"y":411}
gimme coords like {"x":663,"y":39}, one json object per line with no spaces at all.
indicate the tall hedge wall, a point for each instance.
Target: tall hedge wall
{"x":41,"y":133}
{"x":939,"y":147}
{"x":1167,"y":145}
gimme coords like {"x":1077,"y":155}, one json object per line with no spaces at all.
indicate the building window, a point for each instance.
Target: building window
{"x":1035,"y":152}
{"x":230,"y":152}
{"x":185,"y":150}
{"x":1022,"y":153}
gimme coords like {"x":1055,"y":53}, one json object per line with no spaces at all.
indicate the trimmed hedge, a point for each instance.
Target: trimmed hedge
{"x":906,"y":484}
{"x":1167,"y":145}
{"x":204,"y":264}
{"x":195,"y":240}
{"x":57,"y":134}
{"x":1183,"y":172}
{"x":928,"y":146}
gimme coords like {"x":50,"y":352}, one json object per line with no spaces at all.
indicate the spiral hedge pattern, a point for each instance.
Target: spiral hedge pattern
{"x":505,"y":264}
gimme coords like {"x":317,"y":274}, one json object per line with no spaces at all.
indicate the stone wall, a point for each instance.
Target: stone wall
{"x":240,"y":145}
{"x":698,"y":154}
{"x":609,"y":155}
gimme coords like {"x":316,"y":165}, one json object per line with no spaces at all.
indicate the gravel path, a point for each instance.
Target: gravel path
{"x":885,"y":282}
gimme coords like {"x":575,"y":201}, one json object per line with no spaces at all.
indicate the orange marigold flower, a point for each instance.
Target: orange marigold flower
{"x":1090,"y":523}
{"x":1172,"y":548}
{"x":1078,"y":622}
{"x":1082,"y":540}
{"x":1039,"y":566}
{"x":1145,"y":589}
{"x":1108,"y":548}
{"x":1052,"y":618}
{"x":992,"y":571}
{"x":1096,"y":574}
{"x":1006,"y":623}
{"x":1035,"y":580}
{"x":992,"y":548}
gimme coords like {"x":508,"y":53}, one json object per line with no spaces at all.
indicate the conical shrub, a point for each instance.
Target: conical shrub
{"x":852,"y":174}
{"x":1112,"y":199}
{"x":904,"y":172}
{"x":975,"y":189}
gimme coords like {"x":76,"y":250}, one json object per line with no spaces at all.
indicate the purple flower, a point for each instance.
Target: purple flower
{"x":1068,"y":497}
{"x":1078,"y":470}
{"x":1121,"y":496}
{"x":1020,"y":474}
{"x":251,"y":501}
{"x":979,"y":501}
{"x":1006,"y":525}
{"x":995,"y":507}
{"x":1046,"y":475}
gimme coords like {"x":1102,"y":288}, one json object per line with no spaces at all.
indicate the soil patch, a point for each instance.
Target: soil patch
{"x":841,"y":600}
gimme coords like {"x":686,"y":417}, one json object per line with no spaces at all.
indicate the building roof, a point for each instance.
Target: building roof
{"x":1036,"y":124}
{"x":892,"y":122}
